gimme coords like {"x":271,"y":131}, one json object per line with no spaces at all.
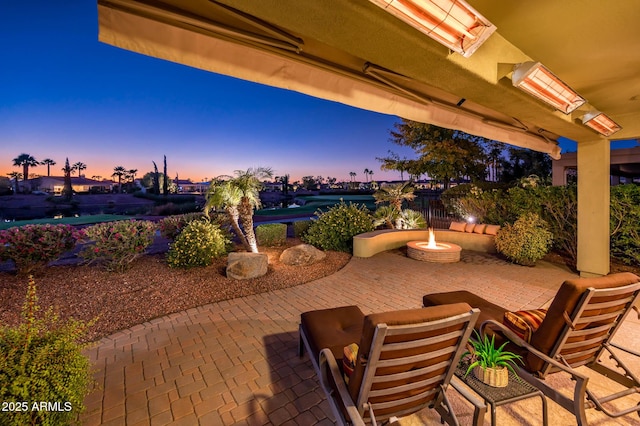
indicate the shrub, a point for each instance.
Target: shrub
{"x":526,"y":241}
{"x":170,"y":208}
{"x":117,"y":244}
{"x":41,"y":360}
{"x":412,"y":219}
{"x":625,"y":223}
{"x":171,"y":226}
{"x":335,"y":228}
{"x":300,"y":227}
{"x":197,"y":245}
{"x":271,"y":234}
{"x":31,"y":247}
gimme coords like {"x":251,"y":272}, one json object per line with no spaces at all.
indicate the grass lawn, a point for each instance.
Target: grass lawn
{"x":80,"y":220}
{"x":322,"y":202}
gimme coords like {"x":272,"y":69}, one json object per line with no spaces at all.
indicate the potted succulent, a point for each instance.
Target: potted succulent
{"x":489,"y":364}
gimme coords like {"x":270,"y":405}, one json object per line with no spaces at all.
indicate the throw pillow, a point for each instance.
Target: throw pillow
{"x":457,"y":226}
{"x":469,"y":227}
{"x":492,"y":229}
{"x":479,"y":229}
{"x":524,"y":323}
{"x":349,"y":361}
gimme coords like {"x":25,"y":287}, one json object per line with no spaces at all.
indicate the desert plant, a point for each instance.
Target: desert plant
{"x":31,"y":247}
{"x":412,"y":219}
{"x":197,"y":245}
{"x":271,"y":234}
{"x":117,"y":244}
{"x":335,"y":228}
{"x":41,"y":362}
{"x":484,"y":354}
{"x":526,"y":241}
{"x":300,"y":227}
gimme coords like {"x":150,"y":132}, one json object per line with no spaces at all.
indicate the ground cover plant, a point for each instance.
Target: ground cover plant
{"x":271,"y":234}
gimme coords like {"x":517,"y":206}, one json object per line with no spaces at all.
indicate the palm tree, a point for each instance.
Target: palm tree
{"x":366,"y":174}
{"x":395,"y":194}
{"x":119,"y":172}
{"x":353,"y":175}
{"x":370,"y":175}
{"x":223,"y":194}
{"x":239,"y":196}
{"x":96,"y":177}
{"x":26,"y":161}
{"x":48,"y":162}
{"x":79,"y":166}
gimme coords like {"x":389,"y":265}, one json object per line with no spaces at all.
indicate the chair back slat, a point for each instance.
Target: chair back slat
{"x":408,"y":365}
{"x":595,"y":320}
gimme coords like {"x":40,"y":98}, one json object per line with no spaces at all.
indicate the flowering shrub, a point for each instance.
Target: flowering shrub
{"x":33,"y":246}
{"x":197,"y":245}
{"x":117,"y":244}
{"x":171,"y":226}
{"x":526,"y":241}
{"x":271,"y":234}
{"x":335,"y":228}
{"x":41,"y":360}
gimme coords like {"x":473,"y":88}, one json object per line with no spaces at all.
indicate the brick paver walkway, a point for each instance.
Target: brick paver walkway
{"x":235,"y":362}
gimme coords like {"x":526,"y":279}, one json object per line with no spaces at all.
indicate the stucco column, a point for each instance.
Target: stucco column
{"x":593,"y":207}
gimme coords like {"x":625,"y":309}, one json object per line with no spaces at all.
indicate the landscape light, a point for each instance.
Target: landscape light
{"x":453,"y":23}
{"x":535,"y":79}
{"x":599,"y":122}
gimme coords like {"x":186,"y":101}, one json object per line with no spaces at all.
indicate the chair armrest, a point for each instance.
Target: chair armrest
{"x":328,"y":365}
{"x":493,"y":324}
{"x":627,"y":350}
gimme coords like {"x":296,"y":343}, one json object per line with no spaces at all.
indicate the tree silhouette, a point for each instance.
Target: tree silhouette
{"x":119,"y":172}
{"x":48,"y":162}
{"x":79,"y":166}
{"x":366,"y":175}
{"x":25,"y":161}
{"x":67,"y":191}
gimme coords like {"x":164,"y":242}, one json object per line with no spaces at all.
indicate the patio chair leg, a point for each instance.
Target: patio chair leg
{"x":300,"y":343}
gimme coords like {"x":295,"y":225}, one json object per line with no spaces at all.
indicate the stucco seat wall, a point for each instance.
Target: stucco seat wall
{"x":371,"y":243}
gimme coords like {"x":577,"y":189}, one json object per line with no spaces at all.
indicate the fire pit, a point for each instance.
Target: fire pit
{"x":433,"y":252}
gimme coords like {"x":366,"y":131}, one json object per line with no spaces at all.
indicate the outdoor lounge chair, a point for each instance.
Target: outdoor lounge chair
{"x":404,"y":363}
{"x":576,"y":331}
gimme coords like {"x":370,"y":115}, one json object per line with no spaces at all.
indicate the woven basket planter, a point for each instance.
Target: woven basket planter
{"x":496,"y":377}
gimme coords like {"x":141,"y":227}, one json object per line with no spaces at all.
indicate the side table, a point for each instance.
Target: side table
{"x":516,"y":390}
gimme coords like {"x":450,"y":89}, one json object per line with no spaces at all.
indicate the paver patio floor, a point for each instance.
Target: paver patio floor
{"x":235,"y":362}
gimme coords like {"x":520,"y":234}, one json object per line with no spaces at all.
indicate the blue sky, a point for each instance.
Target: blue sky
{"x":64,"y":94}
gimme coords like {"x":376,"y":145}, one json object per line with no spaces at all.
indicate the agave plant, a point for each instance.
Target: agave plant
{"x":485,"y":354}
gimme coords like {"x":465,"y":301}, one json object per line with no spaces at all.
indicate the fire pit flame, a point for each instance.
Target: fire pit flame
{"x":432,"y":240}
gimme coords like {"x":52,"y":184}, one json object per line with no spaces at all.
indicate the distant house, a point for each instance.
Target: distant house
{"x":55,"y":184}
{"x":189,"y":187}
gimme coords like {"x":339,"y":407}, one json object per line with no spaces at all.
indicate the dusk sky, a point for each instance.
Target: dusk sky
{"x":64,"y":94}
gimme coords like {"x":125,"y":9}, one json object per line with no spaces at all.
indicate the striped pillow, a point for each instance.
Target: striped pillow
{"x":349,"y":360}
{"x":524,"y":323}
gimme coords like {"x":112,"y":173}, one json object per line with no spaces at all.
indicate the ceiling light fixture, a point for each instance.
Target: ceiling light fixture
{"x":452,"y":23}
{"x":535,"y":79}
{"x":601,"y":123}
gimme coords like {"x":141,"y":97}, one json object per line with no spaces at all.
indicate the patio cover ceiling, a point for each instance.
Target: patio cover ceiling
{"x":355,"y":53}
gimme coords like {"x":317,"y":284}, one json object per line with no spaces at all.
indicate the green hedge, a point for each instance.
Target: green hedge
{"x":271,"y":234}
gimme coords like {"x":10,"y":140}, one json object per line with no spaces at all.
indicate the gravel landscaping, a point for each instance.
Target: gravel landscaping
{"x":149,"y":289}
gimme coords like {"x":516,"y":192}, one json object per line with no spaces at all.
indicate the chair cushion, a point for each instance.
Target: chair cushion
{"x":488,"y":310}
{"x":457,"y":226}
{"x":524,"y":323}
{"x":469,"y":227}
{"x":332,"y":328}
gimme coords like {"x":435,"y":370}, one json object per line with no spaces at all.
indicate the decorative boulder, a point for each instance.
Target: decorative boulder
{"x":302,"y":255}
{"x":243,"y":266}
